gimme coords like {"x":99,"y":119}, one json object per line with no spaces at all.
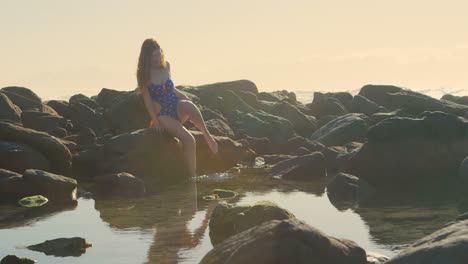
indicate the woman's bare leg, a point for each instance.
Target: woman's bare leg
{"x":176,"y":129}
{"x":188,"y":110}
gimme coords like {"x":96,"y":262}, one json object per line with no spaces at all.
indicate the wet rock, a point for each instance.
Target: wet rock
{"x":274,"y":159}
{"x":53,"y":186}
{"x":120,"y":184}
{"x":12,"y":259}
{"x":348,"y":189}
{"x":8,"y":110}
{"x":448,"y":245}
{"x":285,"y":241}
{"x":62,"y":247}
{"x":306,"y":167}
{"x":296,"y":142}
{"x":19,"y":157}
{"x":228,"y":219}
{"x":301,"y":151}
{"x":58,"y":155}
{"x":342,"y":130}
{"x":375,"y":258}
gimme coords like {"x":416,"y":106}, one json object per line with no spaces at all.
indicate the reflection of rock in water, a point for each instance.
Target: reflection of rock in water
{"x":167,"y":212}
{"x":12,"y":216}
{"x":402,"y":220}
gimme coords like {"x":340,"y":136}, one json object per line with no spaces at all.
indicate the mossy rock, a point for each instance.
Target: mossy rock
{"x":223,"y":194}
{"x":33,"y":201}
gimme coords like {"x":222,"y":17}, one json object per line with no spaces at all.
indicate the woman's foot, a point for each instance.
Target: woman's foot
{"x":212,"y":144}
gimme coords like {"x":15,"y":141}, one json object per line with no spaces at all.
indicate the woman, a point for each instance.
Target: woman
{"x":168,"y":108}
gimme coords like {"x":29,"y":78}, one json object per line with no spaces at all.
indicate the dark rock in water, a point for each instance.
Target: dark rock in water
{"x":58,"y":155}
{"x":407,"y":152}
{"x":8,"y":110}
{"x":261,"y":124}
{"x":337,"y":157}
{"x":225,"y":193}
{"x":285,"y":241}
{"x":58,"y":188}
{"x":365,"y":106}
{"x":228,"y":220}
{"x":463,"y":100}
{"x":19,"y":157}
{"x":229,"y":154}
{"x":12,"y":259}
{"x":342,"y":130}
{"x":323,"y":106}
{"x":302,"y":125}
{"x":307,"y":167}
{"x":55,"y":187}
{"x":120,"y":184}
{"x":127,"y":113}
{"x":393,"y":97}
{"x":62,"y":107}
{"x":81,"y":98}
{"x":448,"y":245}
{"x":348,"y":189}
{"x":26,"y":99}
{"x":62,"y":247}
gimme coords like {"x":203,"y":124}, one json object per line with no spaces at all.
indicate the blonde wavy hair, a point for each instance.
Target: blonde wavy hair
{"x":144,"y":61}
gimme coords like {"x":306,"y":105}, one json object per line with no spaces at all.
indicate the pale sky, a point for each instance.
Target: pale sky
{"x":59,"y":47}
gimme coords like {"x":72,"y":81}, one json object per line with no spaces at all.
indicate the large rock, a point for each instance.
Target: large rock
{"x":348,"y":189}
{"x":58,"y":155}
{"x":345,"y":98}
{"x":448,"y":245}
{"x":306,"y":167}
{"x":217,"y":127}
{"x":231,"y":101}
{"x":342,"y":130}
{"x":81,"y":98}
{"x":285,"y":241}
{"x":18,"y":157}
{"x":297,"y":142}
{"x":228,"y":219}
{"x":463,"y":100}
{"x":44,"y":121}
{"x":56,"y":188}
{"x":302,"y":125}
{"x":420,"y":152}
{"x":83,"y":116}
{"x":106,"y":96}
{"x":8,"y":110}
{"x":120,"y":184}
{"x":127,"y":113}
{"x":393,"y":97}
{"x":209,"y":93}
{"x":261,"y":124}
{"x":26,"y":99}
{"x":62,"y":107}
{"x":62,"y":247}
{"x":361,"y":104}
{"x":323,"y":106}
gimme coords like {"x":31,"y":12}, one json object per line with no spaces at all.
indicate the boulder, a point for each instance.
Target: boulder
{"x":342,"y":130}
{"x":296,"y":142}
{"x":62,"y":247}
{"x":448,"y":245}
{"x":285,"y":241}
{"x":81,"y":98}
{"x":26,"y":99}
{"x":127,"y":113}
{"x":306,"y":167}
{"x":349,"y":189}
{"x":228,"y":219}
{"x":83,"y":116}
{"x":18,"y":157}
{"x":44,"y":121}
{"x":302,"y":125}
{"x":360,"y":104}
{"x":8,"y":110}
{"x":463,"y":100}
{"x":58,"y":155}
{"x":62,"y":107}
{"x":323,"y":106}
{"x":119,"y":184}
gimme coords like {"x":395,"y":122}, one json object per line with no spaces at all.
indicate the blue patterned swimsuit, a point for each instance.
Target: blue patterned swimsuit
{"x":166,"y":97}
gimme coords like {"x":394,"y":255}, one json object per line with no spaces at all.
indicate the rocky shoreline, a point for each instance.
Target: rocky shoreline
{"x":385,"y":139}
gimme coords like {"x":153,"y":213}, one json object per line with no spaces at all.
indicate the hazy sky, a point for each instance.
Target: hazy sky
{"x":59,"y":47}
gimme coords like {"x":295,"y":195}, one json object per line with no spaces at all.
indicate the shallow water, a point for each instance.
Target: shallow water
{"x":172,"y":227}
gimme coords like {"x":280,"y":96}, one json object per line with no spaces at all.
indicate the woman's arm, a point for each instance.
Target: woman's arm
{"x":180,"y":95}
{"x":150,"y":107}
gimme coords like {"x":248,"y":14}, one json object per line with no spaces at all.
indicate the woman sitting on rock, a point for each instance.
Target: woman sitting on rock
{"x":168,"y":108}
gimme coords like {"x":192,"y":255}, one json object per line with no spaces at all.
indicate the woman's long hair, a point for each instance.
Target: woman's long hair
{"x":144,"y":61}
